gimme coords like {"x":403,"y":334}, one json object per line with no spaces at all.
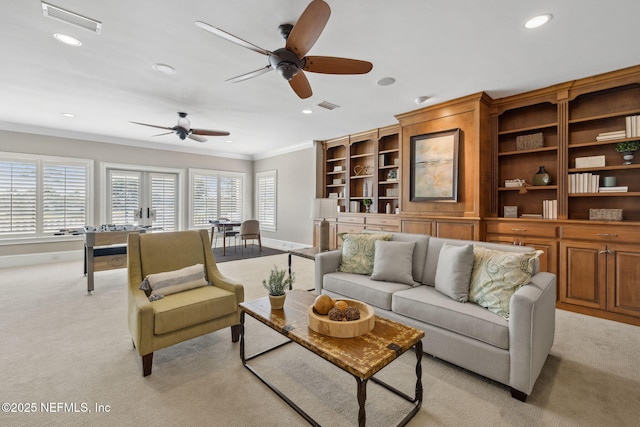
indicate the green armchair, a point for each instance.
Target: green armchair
{"x":183,"y":315}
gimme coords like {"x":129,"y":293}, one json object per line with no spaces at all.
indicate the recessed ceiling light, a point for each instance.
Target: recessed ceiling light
{"x":421,"y":100}
{"x":386,"y":81}
{"x":164,"y":69}
{"x":307,"y":112}
{"x":538,"y":21}
{"x":229,"y":141}
{"x":68,"y":40}
{"x":71,"y":115}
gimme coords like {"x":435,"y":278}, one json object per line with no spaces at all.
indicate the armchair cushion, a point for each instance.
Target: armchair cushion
{"x":158,"y":285}
{"x":192,"y":307}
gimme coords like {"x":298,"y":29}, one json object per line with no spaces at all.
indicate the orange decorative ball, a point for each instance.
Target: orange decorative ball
{"x":341,"y":305}
{"x":323,"y":304}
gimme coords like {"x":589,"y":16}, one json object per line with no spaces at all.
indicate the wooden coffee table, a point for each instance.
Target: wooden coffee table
{"x":361,"y":356}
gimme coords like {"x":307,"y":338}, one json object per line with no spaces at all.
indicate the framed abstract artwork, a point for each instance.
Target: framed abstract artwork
{"x":434,"y":166}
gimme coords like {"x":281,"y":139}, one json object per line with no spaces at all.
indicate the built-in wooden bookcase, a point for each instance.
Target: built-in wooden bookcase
{"x":362,"y":161}
{"x":514,"y":163}
{"x":388,"y":169}
{"x":336,"y":171}
{"x":590,"y":115}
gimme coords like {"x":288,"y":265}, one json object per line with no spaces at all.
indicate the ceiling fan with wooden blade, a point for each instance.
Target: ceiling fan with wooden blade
{"x":291,"y":61}
{"x":183,"y":129}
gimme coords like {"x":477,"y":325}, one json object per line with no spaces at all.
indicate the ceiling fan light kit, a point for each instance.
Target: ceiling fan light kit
{"x":291,"y":61}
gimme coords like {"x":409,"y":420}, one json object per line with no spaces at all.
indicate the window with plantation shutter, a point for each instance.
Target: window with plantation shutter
{"x":266,"y":185}
{"x":18,"y":198}
{"x":163,"y":200}
{"x":42,"y":195}
{"x":64,"y":198}
{"x":125,"y":197}
{"x":215,"y":195}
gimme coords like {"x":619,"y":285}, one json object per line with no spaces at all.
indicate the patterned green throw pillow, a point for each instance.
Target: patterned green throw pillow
{"x":358,"y":252}
{"x":497,"y":275}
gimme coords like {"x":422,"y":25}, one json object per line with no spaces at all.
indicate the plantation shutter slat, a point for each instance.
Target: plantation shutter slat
{"x":163,"y":200}
{"x":125,"y":197}
{"x":266,"y":199}
{"x":64,"y":197}
{"x":18,"y":197}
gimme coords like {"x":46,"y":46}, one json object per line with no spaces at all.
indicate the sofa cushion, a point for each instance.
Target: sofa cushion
{"x":426,"y":304}
{"x":192,"y":307}
{"x":393,"y":262}
{"x":453,"y":274}
{"x":497,"y":275}
{"x":158,"y":285}
{"x":362,"y":288}
{"x":419,"y":251}
{"x":358,"y":252}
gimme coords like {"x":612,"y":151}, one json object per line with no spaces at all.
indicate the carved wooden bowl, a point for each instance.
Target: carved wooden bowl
{"x":343,"y":329}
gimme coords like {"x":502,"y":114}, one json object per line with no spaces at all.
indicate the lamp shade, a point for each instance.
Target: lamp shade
{"x":324,"y":208}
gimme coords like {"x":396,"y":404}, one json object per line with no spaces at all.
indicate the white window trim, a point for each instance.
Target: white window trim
{"x":195,"y":171}
{"x":271,"y":173}
{"x":45,"y":158}
{"x":104,"y":183}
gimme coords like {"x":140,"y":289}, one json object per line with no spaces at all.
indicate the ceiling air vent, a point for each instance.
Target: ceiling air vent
{"x":328,"y":105}
{"x":71,"y":18}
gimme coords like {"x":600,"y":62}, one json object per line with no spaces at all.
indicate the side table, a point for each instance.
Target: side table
{"x":308,"y":253}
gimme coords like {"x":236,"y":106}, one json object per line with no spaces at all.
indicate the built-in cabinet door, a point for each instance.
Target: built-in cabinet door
{"x":623,"y":264}
{"x":583,"y":274}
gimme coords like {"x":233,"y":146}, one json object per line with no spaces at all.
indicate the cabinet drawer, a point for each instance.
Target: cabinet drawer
{"x":393,"y":222}
{"x":604,"y":234}
{"x":351,"y":219}
{"x":347,"y":228}
{"x":525,"y":229}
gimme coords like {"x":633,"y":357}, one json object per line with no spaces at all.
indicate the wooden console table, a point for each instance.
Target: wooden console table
{"x":104,"y":250}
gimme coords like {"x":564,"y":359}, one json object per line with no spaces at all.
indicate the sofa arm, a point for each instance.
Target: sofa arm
{"x":531,"y":330}
{"x":326,"y":262}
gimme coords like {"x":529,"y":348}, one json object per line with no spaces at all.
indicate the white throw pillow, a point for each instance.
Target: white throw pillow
{"x":158,"y":285}
{"x":453,"y":273}
{"x":393,"y":262}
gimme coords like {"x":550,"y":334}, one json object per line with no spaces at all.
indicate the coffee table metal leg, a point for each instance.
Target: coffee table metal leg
{"x":362,"y":398}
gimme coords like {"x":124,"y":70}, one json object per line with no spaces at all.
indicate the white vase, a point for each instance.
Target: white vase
{"x":628,"y":157}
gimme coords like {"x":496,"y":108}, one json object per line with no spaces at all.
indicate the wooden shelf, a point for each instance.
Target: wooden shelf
{"x":528,"y":128}
{"x":361,"y":176}
{"x":357,"y":156}
{"x":530,"y":188}
{"x":530,"y":151}
{"x":594,"y":143}
{"x":336,"y":159}
{"x":604,"y":168}
{"x":395,"y":150}
{"x":607,"y":194}
{"x":605,"y":116}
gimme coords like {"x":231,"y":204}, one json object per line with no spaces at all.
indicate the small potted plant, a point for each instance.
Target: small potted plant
{"x":367,"y":204}
{"x":627,"y":149}
{"x":276,"y":286}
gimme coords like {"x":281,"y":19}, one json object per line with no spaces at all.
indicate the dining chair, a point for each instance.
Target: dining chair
{"x":219,"y":231}
{"x":250,"y":230}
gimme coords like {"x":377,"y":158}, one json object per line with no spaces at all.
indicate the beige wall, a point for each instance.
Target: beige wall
{"x":17,"y":142}
{"x":296,"y":177}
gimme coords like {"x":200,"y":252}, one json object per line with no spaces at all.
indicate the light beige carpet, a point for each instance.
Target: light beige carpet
{"x":61,"y":349}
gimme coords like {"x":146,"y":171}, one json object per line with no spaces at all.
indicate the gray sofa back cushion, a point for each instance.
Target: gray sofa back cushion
{"x":435,"y":244}
{"x":419,"y":251}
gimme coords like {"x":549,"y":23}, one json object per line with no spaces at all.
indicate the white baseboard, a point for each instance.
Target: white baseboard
{"x":282,"y":245}
{"x":40,"y":258}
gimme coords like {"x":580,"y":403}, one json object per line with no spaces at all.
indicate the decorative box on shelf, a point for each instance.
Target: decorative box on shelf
{"x":511,"y":212}
{"x":337,"y":169}
{"x":605,"y":214}
{"x":392,"y":192}
{"x":590,"y":162}
{"x":527,"y":142}
{"x":337,"y":181}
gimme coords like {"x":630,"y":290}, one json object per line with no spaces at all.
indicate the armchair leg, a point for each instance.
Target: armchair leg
{"x":147,"y":361}
{"x":235,"y":333}
{"x":517,"y":394}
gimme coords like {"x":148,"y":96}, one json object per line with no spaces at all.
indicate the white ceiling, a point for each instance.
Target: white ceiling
{"x":443,"y":49}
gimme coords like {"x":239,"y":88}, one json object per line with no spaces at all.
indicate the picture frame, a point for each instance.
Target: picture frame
{"x":434,"y":166}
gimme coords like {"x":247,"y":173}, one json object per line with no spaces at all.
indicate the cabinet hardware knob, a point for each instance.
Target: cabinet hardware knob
{"x":606,"y":251}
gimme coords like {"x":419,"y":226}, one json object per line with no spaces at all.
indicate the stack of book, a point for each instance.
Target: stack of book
{"x":618,"y":189}
{"x":632,"y":126}
{"x":584,"y":183}
{"x":607,"y":136}
{"x":550,"y":209}
{"x":510,"y":183}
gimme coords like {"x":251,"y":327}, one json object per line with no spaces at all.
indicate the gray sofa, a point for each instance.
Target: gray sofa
{"x":511,"y":351}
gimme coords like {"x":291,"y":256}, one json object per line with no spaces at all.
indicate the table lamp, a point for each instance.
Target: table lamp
{"x":324,"y":208}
